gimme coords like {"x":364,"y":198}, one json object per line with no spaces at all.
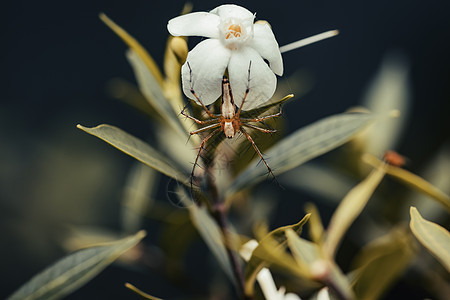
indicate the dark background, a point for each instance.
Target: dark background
{"x":58,"y":57}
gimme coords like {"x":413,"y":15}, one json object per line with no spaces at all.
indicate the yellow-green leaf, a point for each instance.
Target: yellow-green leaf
{"x":349,"y":209}
{"x":311,"y":262}
{"x":315,"y":225}
{"x":381,"y":262}
{"x":339,"y":282}
{"x":432,"y":236}
{"x":209,"y":231}
{"x":73,"y":271}
{"x":136,"y":46}
{"x":138,"y":149}
{"x":271,"y":251}
{"x":153,"y":92}
{"x":412,"y":180}
{"x":304,"y":251}
{"x":140,"y":293}
{"x":260,"y":110}
{"x":138,"y":196}
{"x":303,"y":145}
{"x":389,"y":91}
{"x":212,"y":236}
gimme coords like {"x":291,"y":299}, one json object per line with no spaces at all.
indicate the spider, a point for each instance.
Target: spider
{"x":229,"y":121}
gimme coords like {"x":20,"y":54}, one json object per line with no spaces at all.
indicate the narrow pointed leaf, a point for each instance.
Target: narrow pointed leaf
{"x":209,"y":231}
{"x":349,"y":209}
{"x":389,"y":91}
{"x":304,"y":251}
{"x":136,"y":46}
{"x":313,"y":176}
{"x":212,"y":236}
{"x":260,"y":110}
{"x":140,"y":293}
{"x":153,"y":92}
{"x":303,"y":145}
{"x":73,"y":271}
{"x":138,"y":149}
{"x":138,"y":196}
{"x":339,"y":283}
{"x":271,"y":251}
{"x":380,"y":263}
{"x":432,"y":236}
{"x":414,"y":181}
{"x":311,"y":261}
{"x":315,"y":225}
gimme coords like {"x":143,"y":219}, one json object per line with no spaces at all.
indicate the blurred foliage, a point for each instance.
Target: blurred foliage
{"x":307,"y":265}
{"x":73,"y":271}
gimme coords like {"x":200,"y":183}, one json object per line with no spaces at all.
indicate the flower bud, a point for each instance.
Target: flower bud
{"x":179,"y":47}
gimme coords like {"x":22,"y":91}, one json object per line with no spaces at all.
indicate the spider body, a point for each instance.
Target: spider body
{"x":229,"y":121}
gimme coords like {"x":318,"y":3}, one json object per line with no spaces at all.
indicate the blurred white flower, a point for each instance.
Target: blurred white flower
{"x":234,"y":41}
{"x":265,"y":278}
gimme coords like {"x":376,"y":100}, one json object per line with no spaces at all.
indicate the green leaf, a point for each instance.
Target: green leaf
{"x":311,"y":261}
{"x":135,"y":46}
{"x":389,"y":91}
{"x":149,"y":77}
{"x":260,"y":110}
{"x":140,"y":293}
{"x":139,"y":191}
{"x":315,"y":225}
{"x":212,"y":236}
{"x":138,"y":149}
{"x":271,"y":251}
{"x":339,"y":283}
{"x":414,"y":181}
{"x":153,"y":92}
{"x":349,"y":209}
{"x":303,"y":145}
{"x":304,"y":251}
{"x":209,"y":231}
{"x":432,"y":236}
{"x":73,"y":271}
{"x":313,"y":176}
{"x":381,"y":262}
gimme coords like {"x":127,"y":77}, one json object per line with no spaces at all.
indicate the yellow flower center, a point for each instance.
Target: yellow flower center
{"x":233,"y":31}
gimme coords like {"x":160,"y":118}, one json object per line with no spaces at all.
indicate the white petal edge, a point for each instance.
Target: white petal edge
{"x":265,"y":43}
{"x":262,"y":82}
{"x":208,"y":61}
{"x":232,"y":11}
{"x":195,"y":24}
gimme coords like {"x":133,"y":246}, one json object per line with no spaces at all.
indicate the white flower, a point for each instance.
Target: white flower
{"x":234,"y":41}
{"x":264,"y":277}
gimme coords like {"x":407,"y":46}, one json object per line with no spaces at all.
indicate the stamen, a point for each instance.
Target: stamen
{"x":233,"y":31}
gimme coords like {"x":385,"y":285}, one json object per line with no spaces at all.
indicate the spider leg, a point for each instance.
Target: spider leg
{"x":259,"y":119}
{"x":205,"y":128}
{"x":195,"y":95}
{"x":246,"y":90}
{"x":257,"y":151}
{"x":200,"y":151}
{"x":259,"y":128}
{"x":197,"y":120}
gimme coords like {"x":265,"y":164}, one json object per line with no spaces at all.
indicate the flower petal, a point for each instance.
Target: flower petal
{"x":265,"y":43}
{"x":232,"y":11}
{"x":195,"y":24}
{"x":208,"y":61}
{"x":262,"y":82}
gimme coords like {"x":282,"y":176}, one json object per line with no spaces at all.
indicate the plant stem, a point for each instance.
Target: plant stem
{"x":218,"y":211}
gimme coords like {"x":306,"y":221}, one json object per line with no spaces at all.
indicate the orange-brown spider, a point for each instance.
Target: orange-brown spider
{"x":229,"y":121}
